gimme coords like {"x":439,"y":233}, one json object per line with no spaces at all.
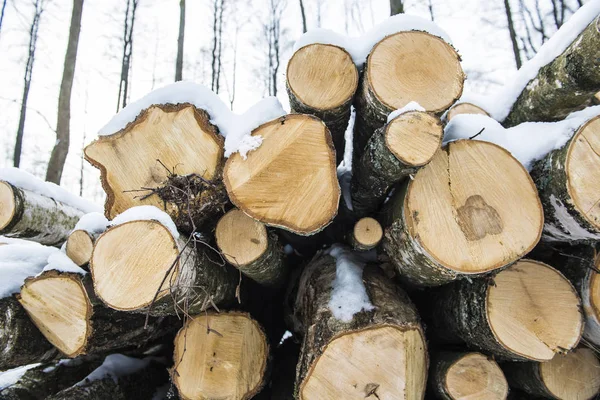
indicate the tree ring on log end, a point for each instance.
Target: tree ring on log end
{"x":465,"y":108}
{"x":227,"y":365}
{"x":534,"y":311}
{"x":476,"y":377}
{"x":486,"y":219}
{"x":241,"y":239}
{"x":7,"y":204}
{"x":79,"y":247}
{"x":575,"y":375}
{"x":415,"y":66}
{"x":367,"y":232}
{"x":59,"y":306}
{"x":322,"y":76}
{"x":414,"y":137}
{"x":382,"y":360}
{"x":582,"y":166}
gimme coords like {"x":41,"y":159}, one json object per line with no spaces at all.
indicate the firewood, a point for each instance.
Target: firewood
{"x":529,"y":311}
{"x":79,"y":246}
{"x":404,"y":67}
{"x":460,"y":216}
{"x":457,"y":375}
{"x":575,"y":375}
{"x":569,"y":188}
{"x":290,"y":181}
{"x":220,"y":356}
{"x":321,"y":81}
{"x":394,"y":152}
{"x":366,"y":234}
{"x":464,"y":108}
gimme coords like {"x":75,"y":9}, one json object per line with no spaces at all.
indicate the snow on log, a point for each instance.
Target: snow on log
{"x":321,"y":81}
{"x":464,"y":108}
{"x":394,"y":152}
{"x":220,"y":356}
{"x":290,"y":181}
{"x":487,"y":219}
{"x":247,"y":245}
{"x":366,"y":234}
{"x":141,"y":264}
{"x":457,"y":375}
{"x":362,"y":335}
{"x":528,"y":311}
{"x":80,"y":243}
{"x":575,"y":375}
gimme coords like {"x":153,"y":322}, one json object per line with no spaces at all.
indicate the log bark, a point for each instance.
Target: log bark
{"x":568,"y":189}
{"x":464,"y":108}
{"x":366,"y":355}
{"x":394,"y":152}
{"x":28,"y":215}
{"x":65,"y":309}
{"x":21,"y":342}
{"x":564,"y":85}
{"x":482,"y":313}
{"x":454,"y":198}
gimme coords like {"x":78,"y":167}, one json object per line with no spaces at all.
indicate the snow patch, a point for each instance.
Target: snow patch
{"x":146,"y":213}
{"x":20,"y":261}
{"x":12,"y":376}
{"x":92,"y":223}
{"x":59,"y":261}
{"x":115,"y":366}
{"x":26,"y":181}
{"x":360,"y":47}
{"x":568,"y":223}
{"x":236,"y":128}
{"x":411,"y":106}
{"x":344,"y":170}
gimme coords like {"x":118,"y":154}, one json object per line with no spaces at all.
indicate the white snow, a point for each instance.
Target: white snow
{"x":411,"y":106}
{"x":25,"y":180}
{"x":115,"y":366}
{"x":20,"y":261}
{"x":348,"y":294}
{"x":236,"y":128}
{"x":568,"y":223}
{"x":93,"y":223}
{"x":146,"y":213}
{"x":344,"y":170}
{"x":9,"y":240}
{"x":360,"y":47}
{"x":527,"y":142}
{"x":12,"y":376}
{"x":59,"y":261}
{"x":500,"y":105}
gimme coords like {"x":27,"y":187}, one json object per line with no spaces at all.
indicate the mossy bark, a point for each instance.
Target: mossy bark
{"x":270,"y":268}
{"x":564,"y":85}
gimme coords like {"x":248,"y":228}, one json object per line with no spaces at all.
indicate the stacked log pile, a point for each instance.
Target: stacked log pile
{"x":440,"y":269}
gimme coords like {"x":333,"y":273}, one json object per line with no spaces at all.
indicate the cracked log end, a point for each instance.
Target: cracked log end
{"x":476,"y":377}
{"x":572,"y":376}
{"x":241,"y":239}
{"x":465,"y":108}
{"x":227,"y":361}
{"x":8,"y":205}
{"x":79,"y":247}
{"x":414,"y":137}
{"x":290,"y":181}
{"x":383,"y":362}
{"x":367,"y":234}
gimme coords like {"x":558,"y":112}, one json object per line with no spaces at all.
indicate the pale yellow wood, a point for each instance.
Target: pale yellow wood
{"x":290,"y":181}
{"x":79,"y":247}
{"x":476,"y":377}
{"x":415,"y":66}
{"x":414,"y":137}
{"x":384,"y":360}
{"x":595,"y":290}
{"x":474,"y":207}
{"x":583,"y":171}
{"x":240,"y":238}
{"x":573,"y":376}
{"x":534,"y":310}
{"x":464,"y":108}
{"x":129,"y":262}
{"x":7,"y":204}
{"x":367,"y":232}
{"x":179,"y":136}
{"x":322,"y":76}
{"x":59,"y":307}
{"x":227,"y":365}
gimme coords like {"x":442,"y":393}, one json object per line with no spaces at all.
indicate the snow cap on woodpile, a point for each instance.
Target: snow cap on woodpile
{"x":20,"y":261}
{"x":146,"y":213}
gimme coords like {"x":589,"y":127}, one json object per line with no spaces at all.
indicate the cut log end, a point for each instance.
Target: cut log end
{"x":60,"y":308}
{"x":7,"y":205}
{"x":465,"y":108}
{"x":220,"y":356}
{"x":575,"y":375}
{"x":240,"y":238}
{"x":381,"y":362}
{"x":537,"y":302}
{"x":79,"y":247}
{"x":423,"y":68}
{"x":475,"y":377}
{"x":322,"y":76}
{"x":367,"y":234}
{"x":414,"y":137}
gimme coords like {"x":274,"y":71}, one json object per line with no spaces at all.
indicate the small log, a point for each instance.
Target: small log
{"x":290,"y":181}
{"x":140,"y":266}
{"x":394,"y":152}
{"x":366,"y":234}
{"x":321,"y":81}
{"x":456,"y":375}
{"x":64,"y":308}
{"x":404,"y":67}
{"x":380,"y":352}
{"x":575,"y":375}
{"x":564,"y":85}
{"x":487,"y":220}
{"x":464,"y":108}
{"x":246,"y":244}
{"x":79,"y":246}
{"x":528,"y":311}
{"x":220,"y":356}
{"x":569,"y":189}
{"x":28,"y":215}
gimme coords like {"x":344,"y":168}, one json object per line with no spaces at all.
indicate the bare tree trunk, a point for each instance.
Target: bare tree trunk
{"x":513,"y":34}
{"x":220,"y":46}
{"x":2,"y":13}
{"x":301,"y":13}
{"x":127,"y":52}
{"x":33,"y":36}
{"x":218,"y":9}
{"x":396,"y":7}
{"x":234,"y":67}
{"x":180,"y":38}
{"x":430,"y":7}
{"x":63,"y":120}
